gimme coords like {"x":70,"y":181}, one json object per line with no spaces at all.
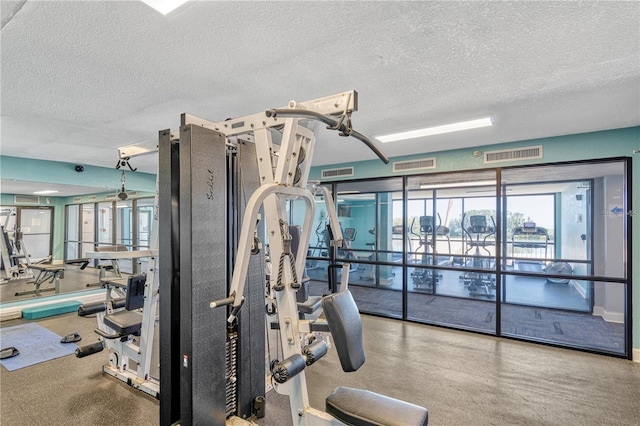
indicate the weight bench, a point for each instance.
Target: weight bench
{"x":83,"y":262}
{"x":46,"y":273}
{"x":111,"y":266}
{"x":356,"y":406}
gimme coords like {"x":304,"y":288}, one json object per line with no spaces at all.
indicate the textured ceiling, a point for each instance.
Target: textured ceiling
{"x":80,"y":78}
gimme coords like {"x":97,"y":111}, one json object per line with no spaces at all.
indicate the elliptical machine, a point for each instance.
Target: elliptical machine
{"x":479,"y":283}
{"x":425,"y":279}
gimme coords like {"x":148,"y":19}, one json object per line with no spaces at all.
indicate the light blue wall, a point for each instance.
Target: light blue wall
{"x":103,"y":179}
{"x":587,"y":146}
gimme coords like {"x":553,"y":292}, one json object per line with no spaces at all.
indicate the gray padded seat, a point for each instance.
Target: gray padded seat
{"x":359,"y":407}
{"x":124,"y":322}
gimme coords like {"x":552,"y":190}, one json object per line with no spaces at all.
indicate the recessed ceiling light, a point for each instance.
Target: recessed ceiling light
{"x":49,"y":191}
{"x":165,"y":6}
{"x":437,"y":130}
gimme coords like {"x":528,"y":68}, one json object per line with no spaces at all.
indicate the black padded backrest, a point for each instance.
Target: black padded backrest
{"x":294,"y":231}
{"x":303,"y":292}
{"x":349,"y":234}
{"x":426,"y":224}
{"x":135,"y":292}
{"x":345,"y":325}
{"x":478,"y":224}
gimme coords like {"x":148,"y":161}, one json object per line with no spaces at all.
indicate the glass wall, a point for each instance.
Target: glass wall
{"x":72,"y":232}
{"x":88,"y":226}
{"x":28,"y":231}
{"x":104,"y":224}
{"x":537,"y":252}
{"x":369,"y":216}
{"x":565,"y":263}
{"x":452,"y":256}
{"x":144,"y":212}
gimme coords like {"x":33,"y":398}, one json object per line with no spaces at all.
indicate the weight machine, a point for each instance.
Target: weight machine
{"x":16,"y":262}
{"x":126,"y":325}
{"x":212,"y":355}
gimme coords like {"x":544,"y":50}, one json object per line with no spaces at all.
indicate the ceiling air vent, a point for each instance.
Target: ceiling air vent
{"x":92,"y":198}
{"x":412,"y":165}
{"x":110,"y":197}
{"x":525,"y":153}
{"x":26,"y":199}
{"x":77,"y":199}
{"x":334,"y":173}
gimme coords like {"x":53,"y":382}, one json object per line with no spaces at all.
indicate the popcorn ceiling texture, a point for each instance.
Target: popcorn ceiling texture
{"x":80,"y":78}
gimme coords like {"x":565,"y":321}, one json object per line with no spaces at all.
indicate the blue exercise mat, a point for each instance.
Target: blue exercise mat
{"x":35,"y":343}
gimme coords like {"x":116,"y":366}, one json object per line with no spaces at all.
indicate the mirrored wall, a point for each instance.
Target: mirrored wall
{"x":28,"y":242}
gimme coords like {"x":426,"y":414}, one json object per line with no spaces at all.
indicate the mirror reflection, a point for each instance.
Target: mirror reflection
{"x":49,"y":239}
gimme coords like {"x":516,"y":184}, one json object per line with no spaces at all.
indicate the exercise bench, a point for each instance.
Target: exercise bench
{"x":46,"y":273}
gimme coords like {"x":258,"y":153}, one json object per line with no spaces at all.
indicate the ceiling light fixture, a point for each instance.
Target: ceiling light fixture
{"x":445,"y":185}
{"x":165,"y":6}
{"x":437,"y":130}
{"x":49,"y":191}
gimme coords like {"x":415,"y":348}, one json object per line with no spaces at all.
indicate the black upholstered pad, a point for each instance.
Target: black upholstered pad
{"x":363,"y":408}
{"x":345,"y":324}
{"x":124,"y":322}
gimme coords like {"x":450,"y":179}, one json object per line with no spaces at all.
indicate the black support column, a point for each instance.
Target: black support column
{"x":169,"y":271}
{"x":251,"y":349}
{"x":203,"y":275}
{"x":203,"y":194}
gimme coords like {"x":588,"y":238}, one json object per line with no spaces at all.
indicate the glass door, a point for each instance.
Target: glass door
{"x":564,"y":271}
{"x":35,"y":226}
{"x":451,"y":255}
{"x":72,"y":232}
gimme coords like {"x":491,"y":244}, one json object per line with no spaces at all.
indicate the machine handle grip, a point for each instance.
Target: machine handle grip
{"x":222,"y":302}
{"x":331,"y":122}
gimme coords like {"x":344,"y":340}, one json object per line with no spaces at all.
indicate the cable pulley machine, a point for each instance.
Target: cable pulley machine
{"x":282,"y":144}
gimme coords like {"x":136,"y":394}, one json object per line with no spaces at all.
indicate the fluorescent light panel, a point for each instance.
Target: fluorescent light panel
{"x":437,"y":130}
{"x":165,"y":6}
{"x":45,"y":192}
{"x":446,"y":185}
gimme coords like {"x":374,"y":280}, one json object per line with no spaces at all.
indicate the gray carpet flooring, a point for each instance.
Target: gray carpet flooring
{"x":571,"y":328}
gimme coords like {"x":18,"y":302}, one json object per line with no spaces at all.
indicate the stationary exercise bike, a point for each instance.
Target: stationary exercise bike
{"x":479,"y":283}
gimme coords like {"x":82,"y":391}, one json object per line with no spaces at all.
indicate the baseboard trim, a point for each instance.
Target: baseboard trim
{"x":617,"y":317}
{"x":579,"y":289}
{"x":635,"y":356}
